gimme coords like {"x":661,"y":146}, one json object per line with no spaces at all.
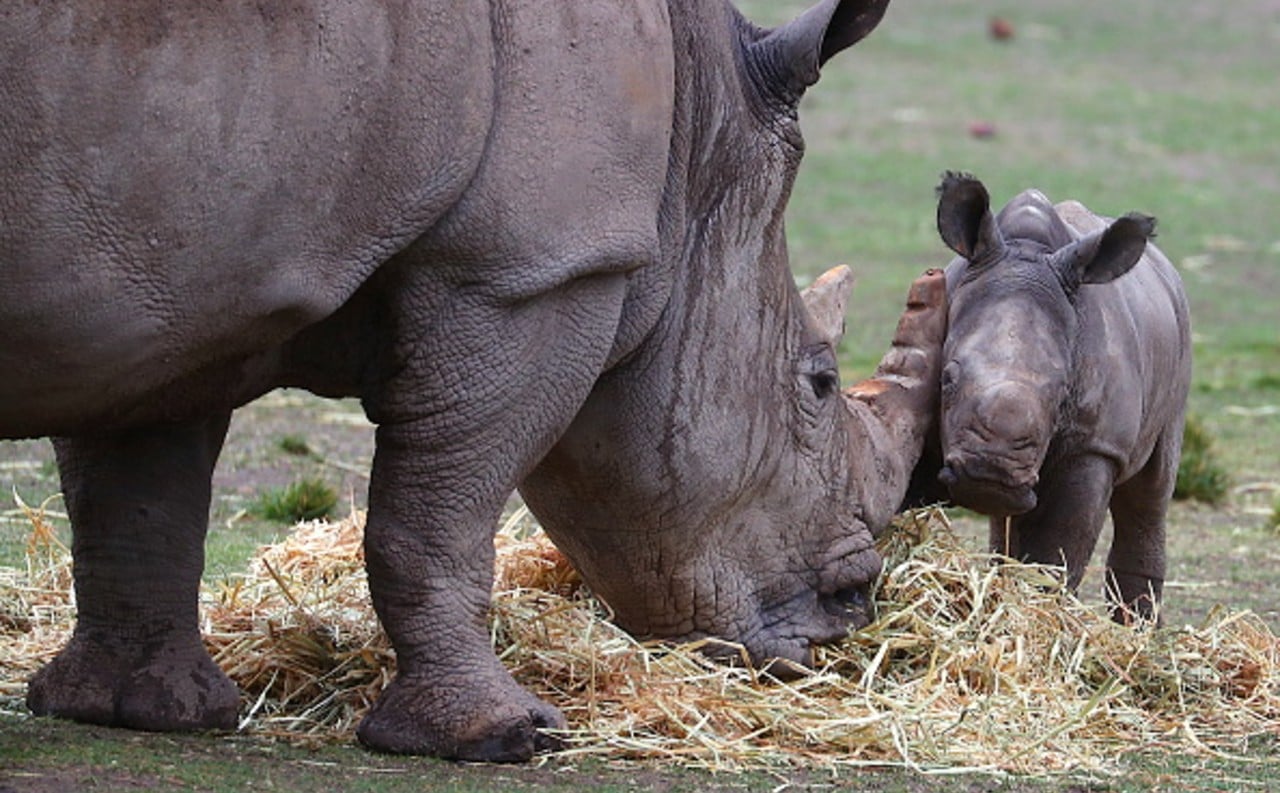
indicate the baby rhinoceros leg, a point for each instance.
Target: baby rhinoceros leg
{"x":139,"y":506}
{"x":1063,"y":527}
{"x":1136,"y":563}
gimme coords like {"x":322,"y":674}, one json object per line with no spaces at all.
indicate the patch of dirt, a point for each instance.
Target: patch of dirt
{"x":50,"y":756}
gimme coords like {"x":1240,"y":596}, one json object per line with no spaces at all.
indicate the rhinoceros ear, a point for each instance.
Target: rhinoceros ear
{"x":794,"y":53}
{"x":1108,"y":254}
{"x":965,"y":221}
{"x":826,"y":299}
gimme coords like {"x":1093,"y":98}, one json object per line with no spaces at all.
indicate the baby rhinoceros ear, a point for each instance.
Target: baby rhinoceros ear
{"x":1108,"y":254}
{"x":965,"y":222}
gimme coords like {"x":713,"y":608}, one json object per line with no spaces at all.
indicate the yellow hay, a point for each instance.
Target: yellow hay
{"x":37,"y":604}
{"x":974,"y":663}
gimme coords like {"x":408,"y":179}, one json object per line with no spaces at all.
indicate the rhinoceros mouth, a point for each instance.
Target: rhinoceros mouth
{"x":844,"y":591}
{"x":785,"y":649}
{"x":792,"y":631}
{"x":852,"y":606}
{"x":988,"y":496}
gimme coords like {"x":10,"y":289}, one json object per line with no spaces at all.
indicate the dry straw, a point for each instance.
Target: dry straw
{"x":37,"y":608}
{"x":976,"y":663}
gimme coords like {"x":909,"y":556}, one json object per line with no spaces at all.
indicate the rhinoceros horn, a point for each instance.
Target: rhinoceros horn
{"x":826,"y":299}
{"x":893,"y":411}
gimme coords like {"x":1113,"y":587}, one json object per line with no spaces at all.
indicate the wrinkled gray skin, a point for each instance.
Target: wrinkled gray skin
{"x":1068,"y":360}
{"x":543,"y":244}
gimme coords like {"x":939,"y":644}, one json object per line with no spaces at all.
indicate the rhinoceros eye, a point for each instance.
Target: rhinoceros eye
{"x":821,"y":370}
{"x":826,"y":383}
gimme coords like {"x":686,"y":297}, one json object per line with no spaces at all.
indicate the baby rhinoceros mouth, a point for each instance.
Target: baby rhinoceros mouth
{"x":987,"y":490}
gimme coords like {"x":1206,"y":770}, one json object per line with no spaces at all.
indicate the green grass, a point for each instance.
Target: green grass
{"x":296,"y":445}
{"x":1154,"y":106}
{"x":74,"y":757}
{"x":1200,"y":476}
{"x":305,"y":499}
{"x":54,"y":755}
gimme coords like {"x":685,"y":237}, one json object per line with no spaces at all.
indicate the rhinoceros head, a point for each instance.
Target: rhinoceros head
{"x":1010,"y":349}
{"x":718,"y":483}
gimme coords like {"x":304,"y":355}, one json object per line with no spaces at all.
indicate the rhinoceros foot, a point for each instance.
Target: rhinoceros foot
{"x":460,"y":718}
{"x":166,"y":686}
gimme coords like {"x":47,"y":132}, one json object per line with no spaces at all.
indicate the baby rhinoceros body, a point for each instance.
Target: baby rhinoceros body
{"x":1068,"y":360}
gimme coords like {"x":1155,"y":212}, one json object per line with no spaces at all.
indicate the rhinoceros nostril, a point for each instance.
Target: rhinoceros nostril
{"x":947,"y":477}
{"x":852,"y":605}
{"x":853,"y":598}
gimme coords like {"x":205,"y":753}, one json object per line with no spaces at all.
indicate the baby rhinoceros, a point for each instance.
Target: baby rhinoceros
{"x":1068,"y":360}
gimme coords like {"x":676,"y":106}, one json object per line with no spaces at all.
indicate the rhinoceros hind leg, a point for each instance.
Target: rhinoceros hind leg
{"x":167,"y":688}
{"x":139,"y":504}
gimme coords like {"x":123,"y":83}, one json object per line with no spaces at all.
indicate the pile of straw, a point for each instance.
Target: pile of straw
{"x":975,"y":663}
{"x":36,"y":605}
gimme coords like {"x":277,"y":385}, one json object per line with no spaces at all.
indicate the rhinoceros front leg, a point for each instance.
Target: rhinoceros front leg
{"x":482,"y":398}
{"x":1139,"y":507}
{"x":139,"y":506}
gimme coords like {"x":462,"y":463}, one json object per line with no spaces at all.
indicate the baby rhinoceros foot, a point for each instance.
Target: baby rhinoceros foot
{"x":460,"y":719}
{"x":165,"y":686}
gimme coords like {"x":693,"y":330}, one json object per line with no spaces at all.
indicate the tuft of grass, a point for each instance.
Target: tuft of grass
{"x":1274,"y":523}
{"x":296,"y":445}
{"x":305,"y":499}
{"x":1267,"y":382}
{"x":1200,"y":476}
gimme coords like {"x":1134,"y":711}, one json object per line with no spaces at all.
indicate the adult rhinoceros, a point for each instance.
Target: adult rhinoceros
{"x":542,"y":242}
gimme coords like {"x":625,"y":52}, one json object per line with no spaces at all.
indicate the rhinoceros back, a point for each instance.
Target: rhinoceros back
{"x":186,"y":183}
{"x":1137,"y":340}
